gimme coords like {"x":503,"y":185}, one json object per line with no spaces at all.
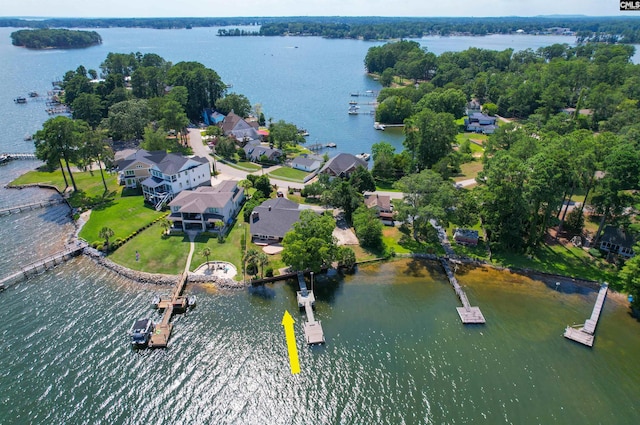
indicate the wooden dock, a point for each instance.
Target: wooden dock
{"x":6,"y":157}
{"x":32,"y":206}
{"x":467,"y":313}
{"x":43,"y":265}
{"x":174,"y":304}
{"x":584,"y":334}
{"x":313,"y":332}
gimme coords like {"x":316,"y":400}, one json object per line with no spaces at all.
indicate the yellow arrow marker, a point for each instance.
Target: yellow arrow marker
{"x":287,"y":322}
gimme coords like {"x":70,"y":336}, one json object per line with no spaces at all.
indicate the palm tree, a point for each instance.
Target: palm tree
{"x":166,"y":225}
{"x":206,"y":252}
{"x":263,"y":260}
{"x":95,"y":149}
{"x":251,"y":259}
{"x":106,"y":233}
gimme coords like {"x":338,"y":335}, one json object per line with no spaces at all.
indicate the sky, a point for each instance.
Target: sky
{"x":215,"y":8}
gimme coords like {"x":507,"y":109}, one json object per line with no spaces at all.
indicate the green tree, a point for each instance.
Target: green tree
{"x":238,"y":103}
{"x":251,"y":261}
{"x":59,"y":139}
{"x":174,"y":118}
{"x":88,"y":107}
{"x":154,"y":140}
{"x":429,"y":137}
{"x":394,"y":110}
{"x":310,"y":244}
{"x":362,"y":180}
{"x":96,"y":149}
{"x":344,"y":196}
{"x":262,"y":260}
{"x":386,"y":78}
{"x":206,"y":252}
{"x":226,"y":147}
{"x":630,"y":275}
{"x":283,"y":134}
{"x":345,"y":257}
{"x":204,"y":86}
{"x":262,"y":184}
{"x":106,"y":233}
{"x":426,"y":196}
{"x":127,"y":120}
{"x":368,"y":227}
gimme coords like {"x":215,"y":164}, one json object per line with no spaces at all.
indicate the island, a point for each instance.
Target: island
{"x":55,"y":38}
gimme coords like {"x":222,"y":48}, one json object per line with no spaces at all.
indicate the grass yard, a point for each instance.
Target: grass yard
{"x":123,"y":215}
{"x":472,"y":137}
{"x":229,"y":250}
{"x":303,"y":200}
{"x":158,"y":254}
{"x":288,"y":173}
{"x":386,"y":187}
{"x":469,"y":170}
{"x":558,"y":259}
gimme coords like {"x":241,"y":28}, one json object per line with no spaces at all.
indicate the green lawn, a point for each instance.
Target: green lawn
{"x":287,"y":173}
{"x":304,"y":200}
{"x":240,"y":165}
{"x":386,"y":187}
{"x":229,"y":250}
{"x":469,"y":170}
{"x":558,"y":259}
{"x":158,"y":253}
{"x":123,"y":215}
{"x":90,"y":186}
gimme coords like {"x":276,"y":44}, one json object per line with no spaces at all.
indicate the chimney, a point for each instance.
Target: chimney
{"x":269,"y":207}
{"x":255,"y":216}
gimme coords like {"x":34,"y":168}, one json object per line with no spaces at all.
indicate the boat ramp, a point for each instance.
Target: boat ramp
{"x":313,"y":332}
{"x":584,"y":333}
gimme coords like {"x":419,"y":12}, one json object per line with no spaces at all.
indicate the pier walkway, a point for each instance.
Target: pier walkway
{"x":467,"y":313}
{"x":43,"y":265}
{"x":6,"y":157}
{"x":313,"y":332}
{"x":584,"y":333}
{"x":175,"y":303}
{"x":32,"y":206}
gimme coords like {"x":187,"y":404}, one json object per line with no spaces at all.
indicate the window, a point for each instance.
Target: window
{"x":129,"y":173}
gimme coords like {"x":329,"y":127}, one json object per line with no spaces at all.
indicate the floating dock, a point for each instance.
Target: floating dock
{"x":467,"y":313}
{"x":584,"y":334}
{"x":313,"y":332}
{"x":177,"y":302}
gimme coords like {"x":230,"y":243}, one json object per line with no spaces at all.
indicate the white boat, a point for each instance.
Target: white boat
{"x":353,"y":110}
{"x":364,"y":156}
{"x":141,"y":331}
{"x":378,"y":126}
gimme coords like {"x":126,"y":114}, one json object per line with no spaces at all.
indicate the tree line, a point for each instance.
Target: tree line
{"x":55,"y":38}
{"x":576,"y":134}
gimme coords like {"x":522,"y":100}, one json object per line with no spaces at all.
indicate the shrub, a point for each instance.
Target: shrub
{"x":595,"y":253}
{"x":268,"y":272}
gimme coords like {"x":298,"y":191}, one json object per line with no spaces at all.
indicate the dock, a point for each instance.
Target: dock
{"x":32,"y":206}
{"x":6,"y":157}
{"x":175,"y":303}
{"x":313,"y":332}
{"x":44,"y":264}
{"x":584,"y":334}
{"x":320,"y":146}
{"x":467,"y":313}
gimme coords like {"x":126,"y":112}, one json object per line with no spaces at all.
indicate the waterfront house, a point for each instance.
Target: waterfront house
{"x":480,"y":123}
{"x":207,"y":208}
{"x":236,"y":126}
{"x":254,"y":151}
{"x":272,"y":219}
{"x":342,"y":165}
{"x":616,"y":240}
{"x":305,"y":163}
{"x":466,"y":237}
{"x":212,"y":117}
{"x":382,"y":206}
{"x":163,"y":175}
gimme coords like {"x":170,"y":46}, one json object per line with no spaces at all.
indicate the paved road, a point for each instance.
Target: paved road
{"x":227,"y":172}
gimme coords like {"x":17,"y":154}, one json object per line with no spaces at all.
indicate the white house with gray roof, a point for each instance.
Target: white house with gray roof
{"x":304,"y":163}
{"x":163,"y":175}
{"x":272,"y":219}
{"x":207,"y":208}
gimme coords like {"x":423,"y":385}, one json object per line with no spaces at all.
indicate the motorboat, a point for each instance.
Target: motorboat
{"x":141,"y":331}
{"x":364,"y":156}
{"x":378,"y":126}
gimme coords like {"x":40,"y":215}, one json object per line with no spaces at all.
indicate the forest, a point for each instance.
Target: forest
{"x":55,"y":38}
{"x":569,"y":131}
{"x":617,"y":29}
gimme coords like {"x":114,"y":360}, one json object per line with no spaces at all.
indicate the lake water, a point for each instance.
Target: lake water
{"x":396,"y":351}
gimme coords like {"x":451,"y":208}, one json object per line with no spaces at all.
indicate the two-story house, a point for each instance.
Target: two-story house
{"x":207,"y":208}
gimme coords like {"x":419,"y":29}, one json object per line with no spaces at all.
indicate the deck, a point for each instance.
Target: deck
{"x":313,"y":332}
{"x":467,"y":313}
{"x":584,"y":334}
{"x":174,"y":304}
